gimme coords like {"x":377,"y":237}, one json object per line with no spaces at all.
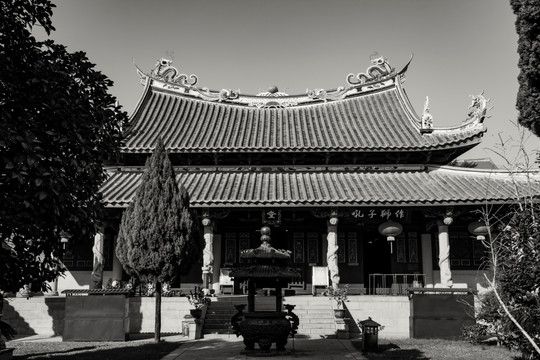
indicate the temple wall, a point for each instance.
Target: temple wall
{"x":45,"y":315}
{"x":392,"y":312}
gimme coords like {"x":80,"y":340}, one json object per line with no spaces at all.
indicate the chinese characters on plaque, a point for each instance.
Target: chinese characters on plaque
{"x":271,"y":217}
{"x":383,"y":214}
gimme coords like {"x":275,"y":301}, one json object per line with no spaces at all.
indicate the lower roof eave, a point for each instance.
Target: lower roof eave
{"x":415,"y":204}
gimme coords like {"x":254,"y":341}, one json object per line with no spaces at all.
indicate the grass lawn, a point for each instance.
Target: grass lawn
{"x":134,"y":350}
{"x":437,"y":349}
{"x":148,"y":350}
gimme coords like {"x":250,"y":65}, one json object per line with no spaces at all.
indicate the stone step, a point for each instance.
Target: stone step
{"x":217,"y":331}
{"x":315,"y":314}
{"x":212,"y":321}
{"x":219,"y":315}
{"x":216,"y":326}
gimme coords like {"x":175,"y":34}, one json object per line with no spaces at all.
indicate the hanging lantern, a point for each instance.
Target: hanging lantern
{"x":390,"y":229}
{"x":64,"y":239}
{"x":479,"y":229}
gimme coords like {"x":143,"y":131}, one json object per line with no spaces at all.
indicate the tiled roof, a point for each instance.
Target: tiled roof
{"x":374,"y":121}
{"x":308,"y":188}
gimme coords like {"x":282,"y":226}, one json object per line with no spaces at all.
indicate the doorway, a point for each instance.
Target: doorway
{"x":279,"y":238}
{"x":377,"y":260}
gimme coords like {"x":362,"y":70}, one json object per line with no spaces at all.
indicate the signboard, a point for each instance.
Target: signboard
{"x":380,"y":214}
{"x":320,"y":276}
{"x":271,"y":217}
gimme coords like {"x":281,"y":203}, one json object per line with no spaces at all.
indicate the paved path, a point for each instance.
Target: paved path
{"x":233,"y":348}
{"x":230,"y":347}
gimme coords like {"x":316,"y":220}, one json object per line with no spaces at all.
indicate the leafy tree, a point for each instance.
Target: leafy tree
{"x":517,"y":248}
{"x":58,"y":124}
{"x":511,"y":310}
{"x":155,"y":238}
{"x":528,"y":29}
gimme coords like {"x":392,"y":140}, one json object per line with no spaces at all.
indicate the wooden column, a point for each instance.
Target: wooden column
{"x":216,"y":243}
{"x":427,"y":259}
{"x":117,"y":265}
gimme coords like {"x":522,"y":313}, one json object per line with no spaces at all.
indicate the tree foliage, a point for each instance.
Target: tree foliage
{"x":58,"y":125}
{"x":518,"y":276}
{"x":155,"y":239}
{"x":511,"y":309}
{"x":528,"y":29}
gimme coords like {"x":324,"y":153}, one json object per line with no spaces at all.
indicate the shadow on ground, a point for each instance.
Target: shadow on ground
{"x":92,"y":351}
{"x":208,"y":349}
{"x":390,"y":351}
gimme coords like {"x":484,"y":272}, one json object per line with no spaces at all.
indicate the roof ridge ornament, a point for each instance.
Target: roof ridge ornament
{"x":477,"y":110}
{"x":273,"y":91}
{"x":164,"y":71}
{"x":376,"y":72}
{"x":222,"y":95}
{"x":322,"y":94}
{"x":426,"y":125}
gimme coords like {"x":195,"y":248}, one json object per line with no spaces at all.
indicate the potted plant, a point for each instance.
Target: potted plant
{"x":339,"y":295}
{"x":197,"y":299}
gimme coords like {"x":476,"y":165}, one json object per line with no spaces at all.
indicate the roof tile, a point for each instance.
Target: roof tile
{"x":375,"y":121}
{"x":227,"y":187}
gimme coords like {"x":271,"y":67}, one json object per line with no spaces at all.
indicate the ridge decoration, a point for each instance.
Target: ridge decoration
{"x":477,"y":110}
{"x":427,"y":119}
{"x":164,"y":71}
{"x":222,"y":95}
{"x":322,"y":94}
{"x":376,"y":72}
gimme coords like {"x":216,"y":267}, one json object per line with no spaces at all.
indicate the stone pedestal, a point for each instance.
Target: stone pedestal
{"x":192,"y":328}
{"x":342,"y":328}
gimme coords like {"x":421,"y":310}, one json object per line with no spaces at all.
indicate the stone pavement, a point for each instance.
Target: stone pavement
{"x":231,"y":347}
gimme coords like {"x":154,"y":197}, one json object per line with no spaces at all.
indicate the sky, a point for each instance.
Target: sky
{"x":460,"y":48}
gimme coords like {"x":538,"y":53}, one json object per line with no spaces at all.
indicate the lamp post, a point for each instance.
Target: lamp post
{"x":64,"y":240}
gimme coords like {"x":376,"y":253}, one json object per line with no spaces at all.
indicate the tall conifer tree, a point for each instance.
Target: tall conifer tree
{"x":528,"y":29}
{"x":155,"y":236}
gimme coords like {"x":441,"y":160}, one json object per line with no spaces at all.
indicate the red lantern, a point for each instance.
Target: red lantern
{"x":479,"y":229}
{"x":390,"y":229}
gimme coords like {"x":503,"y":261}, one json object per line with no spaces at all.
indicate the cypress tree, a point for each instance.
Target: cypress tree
{"x":528,"y":29}
{"x":155,"y":236}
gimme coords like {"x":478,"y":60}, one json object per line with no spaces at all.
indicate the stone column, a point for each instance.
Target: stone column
{"x":99,"y":262}
{"x":208,"y":254}
{"x":331,"y":254}
{"x":444,"y":252}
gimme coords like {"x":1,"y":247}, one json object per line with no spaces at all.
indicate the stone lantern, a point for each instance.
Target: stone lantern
{"x":370,"y":335}
{"x":390,"y":229}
